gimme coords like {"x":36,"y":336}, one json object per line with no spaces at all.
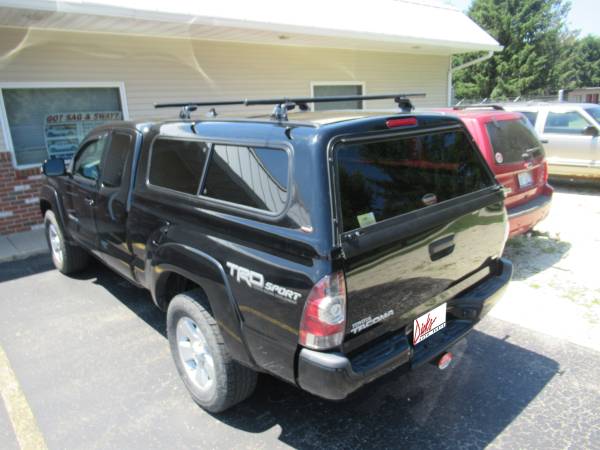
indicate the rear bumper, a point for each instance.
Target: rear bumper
{"x":524,"y":217}
{"x":334,"y":375}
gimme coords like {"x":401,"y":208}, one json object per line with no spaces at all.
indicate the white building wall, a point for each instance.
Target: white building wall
{"x":167,"y":69}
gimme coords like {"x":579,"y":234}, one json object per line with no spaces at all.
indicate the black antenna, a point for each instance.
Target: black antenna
{"x":283,"y":105}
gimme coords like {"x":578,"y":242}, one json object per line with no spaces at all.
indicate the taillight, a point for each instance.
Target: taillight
{"x":545,"y":173}
{"x":324,"y":317}
{"x":404,"y":122}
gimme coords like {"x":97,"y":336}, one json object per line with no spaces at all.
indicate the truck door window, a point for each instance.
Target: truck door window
{"x":177,"y":164}
{"x":114,"y":163}
{"x":87,"y":164}
{"x":565,"y":123}
{"x":254,"y":177}
{"x":380,"y":180}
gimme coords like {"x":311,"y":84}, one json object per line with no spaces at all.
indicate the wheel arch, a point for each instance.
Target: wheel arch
{"x":178,"y":268}
{"x":49,"y":200}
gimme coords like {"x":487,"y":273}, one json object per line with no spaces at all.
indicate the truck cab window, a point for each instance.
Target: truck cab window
{"x":114,"y":164}
{"x":87,"y":164}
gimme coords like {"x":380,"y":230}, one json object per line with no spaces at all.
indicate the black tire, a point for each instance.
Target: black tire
{"x":72,"y":258}
{"x":232,"y":382}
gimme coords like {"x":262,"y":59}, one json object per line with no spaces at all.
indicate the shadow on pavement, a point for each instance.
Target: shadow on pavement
{"x":138,"y":300}
{"x":12,"y":270}
{"x":465,"y":406}
{"x":534,"y":253}
{"x":469,"y":405}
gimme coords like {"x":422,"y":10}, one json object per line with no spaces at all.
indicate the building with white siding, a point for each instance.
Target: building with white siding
{"x":66,"y":66}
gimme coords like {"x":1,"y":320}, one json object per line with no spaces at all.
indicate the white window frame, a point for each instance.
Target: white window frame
{"x":362,"y":84}
{"x":49,"y":85}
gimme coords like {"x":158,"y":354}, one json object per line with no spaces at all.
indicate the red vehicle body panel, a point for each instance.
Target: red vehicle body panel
{"x":526,"y":206}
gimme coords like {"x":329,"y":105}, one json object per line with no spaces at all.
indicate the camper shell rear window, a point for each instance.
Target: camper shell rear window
{"x":387,"y":178}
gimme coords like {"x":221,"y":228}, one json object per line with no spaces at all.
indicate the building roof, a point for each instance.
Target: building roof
{"x":413,"y":26}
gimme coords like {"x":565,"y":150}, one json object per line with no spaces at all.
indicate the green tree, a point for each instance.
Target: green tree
{"x":532,"y":33}
{"x":580,"y":62}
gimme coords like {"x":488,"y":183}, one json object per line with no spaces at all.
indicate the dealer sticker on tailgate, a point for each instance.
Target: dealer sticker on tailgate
{"x":429,"y":323}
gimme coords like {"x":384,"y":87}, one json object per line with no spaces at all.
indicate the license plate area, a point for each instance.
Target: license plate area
{"x":429,"y":324}
{"x":525,"y":179}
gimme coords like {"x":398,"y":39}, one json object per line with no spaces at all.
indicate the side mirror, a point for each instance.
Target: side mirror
{"x":590,"y":131}
{"x":54,"y":167}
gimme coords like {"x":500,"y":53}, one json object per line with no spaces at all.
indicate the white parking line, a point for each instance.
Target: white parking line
{"x":26,"y":430}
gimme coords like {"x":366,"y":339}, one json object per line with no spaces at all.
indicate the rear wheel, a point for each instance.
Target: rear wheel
{"x":215,"y":381}
{"x":66,"y":257}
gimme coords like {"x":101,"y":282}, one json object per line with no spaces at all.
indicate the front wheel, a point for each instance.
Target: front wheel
{"x":67,"y":258}
{"x":215,"y":381}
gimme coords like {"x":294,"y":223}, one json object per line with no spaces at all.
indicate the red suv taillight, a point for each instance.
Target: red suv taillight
{"x":545,"y":169}
{"x":324,"y":317}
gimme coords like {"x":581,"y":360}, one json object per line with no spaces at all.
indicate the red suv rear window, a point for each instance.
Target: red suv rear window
{"x":511,"y":139}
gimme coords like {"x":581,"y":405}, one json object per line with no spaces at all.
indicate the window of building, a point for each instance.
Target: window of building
{"x":335,"y":90}
{"x":565,"y":123}
{"x":45,"y":122}
{"x":177,"y":164}
{"x":254,"y":177}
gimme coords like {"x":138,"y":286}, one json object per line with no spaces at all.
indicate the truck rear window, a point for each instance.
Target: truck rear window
{"x":379,"y":180}
{"x":511,"y":139}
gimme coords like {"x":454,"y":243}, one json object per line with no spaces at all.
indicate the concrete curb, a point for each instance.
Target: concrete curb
{"x":22,"y":245}
{"x":23,"y":255}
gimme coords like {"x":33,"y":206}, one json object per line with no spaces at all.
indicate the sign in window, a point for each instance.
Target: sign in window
{"x":64,"y":131}
{"x":46,"y":122}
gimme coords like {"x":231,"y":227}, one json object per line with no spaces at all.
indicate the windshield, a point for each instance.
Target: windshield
{"x":511,"y":139}
{"x":594,"y":112}
{"x":379,"y":180}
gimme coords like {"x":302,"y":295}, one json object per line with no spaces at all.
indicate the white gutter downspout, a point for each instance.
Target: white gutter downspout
{"x":463,"y":66}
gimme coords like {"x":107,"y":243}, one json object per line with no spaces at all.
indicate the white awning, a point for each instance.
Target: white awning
{"x":414,"y":26}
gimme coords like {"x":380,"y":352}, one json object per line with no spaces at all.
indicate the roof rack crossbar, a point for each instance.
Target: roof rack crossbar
{"x":282,"y":105}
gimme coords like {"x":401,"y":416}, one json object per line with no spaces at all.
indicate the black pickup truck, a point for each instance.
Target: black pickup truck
{"x":324,"y":248}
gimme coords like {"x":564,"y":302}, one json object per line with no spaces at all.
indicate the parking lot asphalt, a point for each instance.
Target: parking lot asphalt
{"x":93,"y":362}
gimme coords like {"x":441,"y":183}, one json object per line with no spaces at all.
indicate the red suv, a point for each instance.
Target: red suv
{"x":516,"y":156}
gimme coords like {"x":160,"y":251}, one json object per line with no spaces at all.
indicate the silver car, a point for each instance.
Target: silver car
{"x":570,"y":134}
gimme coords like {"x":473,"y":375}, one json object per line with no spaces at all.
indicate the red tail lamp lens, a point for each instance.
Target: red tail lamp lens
{"x":324,"y":317}
{"x":404,"y":122}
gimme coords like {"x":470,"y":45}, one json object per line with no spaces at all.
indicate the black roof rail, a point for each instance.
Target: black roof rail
{"x":283,"y":105}
{"x":480,"y":106}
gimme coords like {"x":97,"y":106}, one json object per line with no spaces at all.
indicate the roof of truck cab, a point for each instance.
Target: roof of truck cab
{"x":320,"y":118}
{"x":313,"y":119}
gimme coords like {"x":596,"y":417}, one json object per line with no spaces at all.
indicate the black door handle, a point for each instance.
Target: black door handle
{"x":544,"y":141}
{"x":441,"y":248}
{"x":90,"y":201}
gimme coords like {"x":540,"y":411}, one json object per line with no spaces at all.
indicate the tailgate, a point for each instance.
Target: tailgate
{"x":420,"y":217}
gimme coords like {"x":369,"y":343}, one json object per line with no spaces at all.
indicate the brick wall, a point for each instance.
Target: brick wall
{"x":19,"y":197}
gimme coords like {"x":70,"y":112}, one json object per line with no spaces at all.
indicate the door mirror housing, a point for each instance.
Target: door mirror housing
{"x":54,"y":167}
{"x":590,"y":131}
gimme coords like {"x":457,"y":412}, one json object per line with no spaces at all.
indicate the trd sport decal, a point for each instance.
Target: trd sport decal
{"x":256,"y":281}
